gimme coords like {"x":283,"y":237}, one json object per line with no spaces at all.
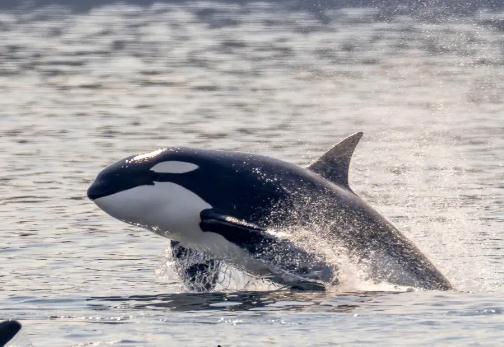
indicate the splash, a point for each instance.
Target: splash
{"x":427,"y":193}
{"x":349,"y":275}
{"x":229,"y":278}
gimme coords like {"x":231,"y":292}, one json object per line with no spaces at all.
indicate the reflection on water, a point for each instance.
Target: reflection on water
{"x":238,"y":301}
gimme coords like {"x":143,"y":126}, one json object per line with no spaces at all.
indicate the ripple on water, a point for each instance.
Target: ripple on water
{"x":82,"y":89}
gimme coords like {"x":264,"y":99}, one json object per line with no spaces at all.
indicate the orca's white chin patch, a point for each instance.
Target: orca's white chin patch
{"x":165,"y":207}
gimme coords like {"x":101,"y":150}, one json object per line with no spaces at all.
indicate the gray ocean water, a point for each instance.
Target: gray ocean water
{"x":81,"y":89}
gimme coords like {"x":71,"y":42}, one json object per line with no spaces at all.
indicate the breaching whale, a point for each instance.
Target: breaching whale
{"x":232,"y":207}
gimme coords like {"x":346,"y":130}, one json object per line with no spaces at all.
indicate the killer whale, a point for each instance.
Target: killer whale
{"x":8,"y":329}
{"x":219,"y":206}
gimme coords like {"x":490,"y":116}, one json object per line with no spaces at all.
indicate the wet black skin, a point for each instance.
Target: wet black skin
{"x":8,"y":329}
{"x":270,"y":193}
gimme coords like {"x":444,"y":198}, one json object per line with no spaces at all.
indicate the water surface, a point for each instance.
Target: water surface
{"x":81,"y":89}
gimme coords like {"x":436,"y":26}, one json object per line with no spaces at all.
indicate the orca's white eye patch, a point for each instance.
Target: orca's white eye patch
{"x":175,"y":167}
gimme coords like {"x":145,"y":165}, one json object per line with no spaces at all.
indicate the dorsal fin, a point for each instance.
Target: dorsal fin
{"x":335,"y":163}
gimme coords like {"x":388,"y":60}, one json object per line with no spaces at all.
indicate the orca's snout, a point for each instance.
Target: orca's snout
{"x":93,"y":191}
{"x":119,"y":177}
{"x":97,"y":190}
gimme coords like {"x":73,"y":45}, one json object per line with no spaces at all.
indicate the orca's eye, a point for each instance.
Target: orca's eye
{"x":174,"y":167}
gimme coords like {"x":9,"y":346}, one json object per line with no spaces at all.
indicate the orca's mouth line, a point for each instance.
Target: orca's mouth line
{"x":101,"y":188}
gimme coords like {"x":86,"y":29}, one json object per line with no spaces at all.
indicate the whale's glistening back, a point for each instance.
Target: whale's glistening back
{"x":228,"y":206}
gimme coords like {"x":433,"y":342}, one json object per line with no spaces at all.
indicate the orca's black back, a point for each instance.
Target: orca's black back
{"x":242,"y":185}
